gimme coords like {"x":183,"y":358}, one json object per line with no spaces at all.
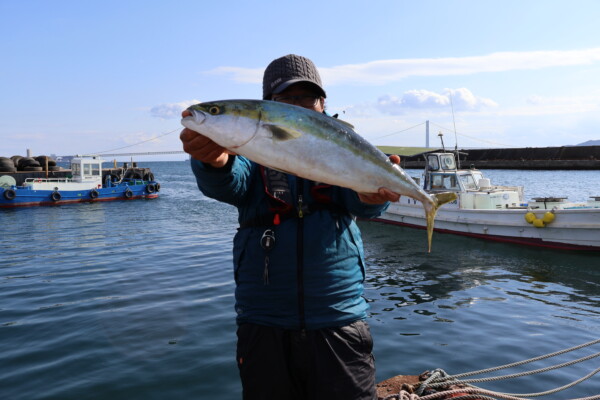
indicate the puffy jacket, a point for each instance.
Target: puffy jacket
{"x":316,"y":267}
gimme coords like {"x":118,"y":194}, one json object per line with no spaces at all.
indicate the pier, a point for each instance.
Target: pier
{"x":529,"y":158}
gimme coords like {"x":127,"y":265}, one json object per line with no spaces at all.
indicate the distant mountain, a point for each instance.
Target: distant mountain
{"x":589,"y":143}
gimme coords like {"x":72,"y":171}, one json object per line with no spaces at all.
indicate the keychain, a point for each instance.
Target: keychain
{"x":267,"y":241}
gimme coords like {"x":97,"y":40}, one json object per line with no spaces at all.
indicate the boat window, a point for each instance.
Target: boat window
{"x":468,"y":181}
{"x":87,"y":169}
{"x":76,"y":169}
{"x":448,"y":161}
{"x":432,"y":163}
{"x":444,"y":181}
{"x":96,"y":169}
{"x":477,"y":176}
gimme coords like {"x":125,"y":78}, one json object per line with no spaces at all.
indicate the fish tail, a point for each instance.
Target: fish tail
{"x":439,"y":199}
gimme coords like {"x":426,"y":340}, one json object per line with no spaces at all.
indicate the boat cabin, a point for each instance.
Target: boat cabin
{"x":441,"y":174}
{"x":86,"y":173}
{"x":87,"y":169}
{"x":474,"y":190}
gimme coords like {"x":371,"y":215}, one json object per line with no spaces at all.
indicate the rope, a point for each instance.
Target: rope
{"x":567,"y":386}
{"x":439,"y":377}
{"x":447,"y":381}
{"x":473,"y":393}
{"x":518,"y":363}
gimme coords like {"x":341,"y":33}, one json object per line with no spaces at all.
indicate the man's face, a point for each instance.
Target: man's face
{"x":303,"y":95}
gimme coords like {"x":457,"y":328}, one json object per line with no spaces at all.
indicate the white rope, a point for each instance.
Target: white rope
{"x":447,"y":380}
{"x":439,"y":378}
{"x":515,"y":364}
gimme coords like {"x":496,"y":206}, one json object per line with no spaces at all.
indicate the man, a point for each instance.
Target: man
{"x":298,"y":262}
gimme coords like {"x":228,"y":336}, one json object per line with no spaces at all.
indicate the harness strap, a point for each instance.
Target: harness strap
{"x":269,"y":218}
{"x":281,"y":206}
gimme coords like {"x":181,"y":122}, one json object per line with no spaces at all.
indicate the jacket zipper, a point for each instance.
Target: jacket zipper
{"x":300,"y":254}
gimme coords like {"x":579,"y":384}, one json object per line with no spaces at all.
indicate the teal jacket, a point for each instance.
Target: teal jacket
{"x":316,"y":266}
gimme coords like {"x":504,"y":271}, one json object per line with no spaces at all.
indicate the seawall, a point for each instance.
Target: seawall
{"x":544,"y":158}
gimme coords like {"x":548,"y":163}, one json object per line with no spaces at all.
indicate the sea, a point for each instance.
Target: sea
{"x":134,"y":299}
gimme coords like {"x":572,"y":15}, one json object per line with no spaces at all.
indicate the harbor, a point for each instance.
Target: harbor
{"x":120,"y":279}
{"x":117,"y":300}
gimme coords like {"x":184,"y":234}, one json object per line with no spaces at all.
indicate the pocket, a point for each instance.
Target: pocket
{"x":365,"y":333}
{"x":356,"y":238}
{"x":357,"y":336}
{"x":239,"y":249}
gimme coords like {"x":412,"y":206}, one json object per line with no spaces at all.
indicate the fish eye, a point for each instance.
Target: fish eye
{"x":214,"y":110}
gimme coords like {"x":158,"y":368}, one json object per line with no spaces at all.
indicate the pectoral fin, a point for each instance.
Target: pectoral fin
{"x":281,"y":133}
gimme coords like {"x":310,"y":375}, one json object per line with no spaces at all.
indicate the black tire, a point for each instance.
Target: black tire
{"x":150,"y":188}
{"x":149,"y":177}
{"x":133,"y":175}
{"x":157,"y":186}
{"x":7,"y":169}
{"x":128,"y":194}
{"x":93,"y":194}
{"x":56,"y":196}
{"x":6,"y":162}
{"x":9,"y":194}
{"x":15,"y":160}
{"x":27,"y":162}
{"x":32,"y":168}
{"x":42,"y":161}
{"x":54,"y":168}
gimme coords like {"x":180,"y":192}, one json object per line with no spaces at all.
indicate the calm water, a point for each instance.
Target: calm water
{"x":134,"y":300}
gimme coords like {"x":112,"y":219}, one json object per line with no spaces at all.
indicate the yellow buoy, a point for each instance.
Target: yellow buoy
{"x":548,"y":217}
{"x":538,"y":223}
{"x":530,"y":217}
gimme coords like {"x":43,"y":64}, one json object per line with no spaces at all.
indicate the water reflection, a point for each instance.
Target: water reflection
{"x":402,"y":274}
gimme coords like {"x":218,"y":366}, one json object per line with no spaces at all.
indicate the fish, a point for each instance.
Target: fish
{"x":308,"y":144}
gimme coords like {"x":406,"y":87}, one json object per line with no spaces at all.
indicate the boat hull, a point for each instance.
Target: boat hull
{"x":572,"y":229}
{"x":25,"y":197}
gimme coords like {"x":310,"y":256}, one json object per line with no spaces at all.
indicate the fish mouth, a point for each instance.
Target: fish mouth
{"x":197,"y":117}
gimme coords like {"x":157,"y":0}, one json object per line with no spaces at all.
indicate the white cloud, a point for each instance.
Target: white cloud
{"x":386,"y":71}
{"x":171,"y":110}
{"x":461,"y":99}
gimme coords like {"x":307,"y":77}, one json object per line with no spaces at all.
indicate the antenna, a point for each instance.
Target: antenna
{"x":455,"y":136}
{"x":441,"y":136}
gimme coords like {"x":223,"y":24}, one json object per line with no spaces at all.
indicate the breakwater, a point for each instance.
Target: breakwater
{"x":527,"y":158}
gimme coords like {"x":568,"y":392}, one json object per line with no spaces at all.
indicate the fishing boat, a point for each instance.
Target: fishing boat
{"x":498,"y":213}
{"x":86,"y":181}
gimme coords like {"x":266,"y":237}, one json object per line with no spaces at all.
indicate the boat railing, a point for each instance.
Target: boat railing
{"x":48,"y":180}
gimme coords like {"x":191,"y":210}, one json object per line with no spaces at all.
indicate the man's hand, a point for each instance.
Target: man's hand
{"x":202,"y":148}
{"x":384,"y":194}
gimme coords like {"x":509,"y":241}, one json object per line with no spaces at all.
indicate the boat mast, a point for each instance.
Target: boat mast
{"x":455,"y":136}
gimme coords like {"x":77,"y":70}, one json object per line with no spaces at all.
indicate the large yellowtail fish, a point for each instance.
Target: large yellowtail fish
{"x":308,"y":144}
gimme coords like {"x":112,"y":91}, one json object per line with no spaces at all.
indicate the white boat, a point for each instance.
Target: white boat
{"x":498,"y":213}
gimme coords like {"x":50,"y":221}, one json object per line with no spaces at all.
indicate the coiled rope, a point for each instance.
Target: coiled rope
{"x":439,"y":378}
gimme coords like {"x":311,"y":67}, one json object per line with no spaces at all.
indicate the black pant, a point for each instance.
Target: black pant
{"x":323,"y":364}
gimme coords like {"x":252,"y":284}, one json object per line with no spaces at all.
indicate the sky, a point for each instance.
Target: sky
{"x":83,"y":77}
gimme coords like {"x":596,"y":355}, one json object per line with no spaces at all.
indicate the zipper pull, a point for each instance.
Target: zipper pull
{"x":266,"y":271}
{"x":300,"y":213}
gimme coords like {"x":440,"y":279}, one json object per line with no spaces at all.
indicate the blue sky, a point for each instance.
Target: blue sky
{"x":82,"y":77}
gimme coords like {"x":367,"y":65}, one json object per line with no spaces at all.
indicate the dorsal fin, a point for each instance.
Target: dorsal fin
{"x":348,"y":124}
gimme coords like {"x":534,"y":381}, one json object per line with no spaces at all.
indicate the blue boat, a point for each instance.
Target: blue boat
{"x":85,"y":183}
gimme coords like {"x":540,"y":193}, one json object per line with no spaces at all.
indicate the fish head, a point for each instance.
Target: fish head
{"x":229,"y":123}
